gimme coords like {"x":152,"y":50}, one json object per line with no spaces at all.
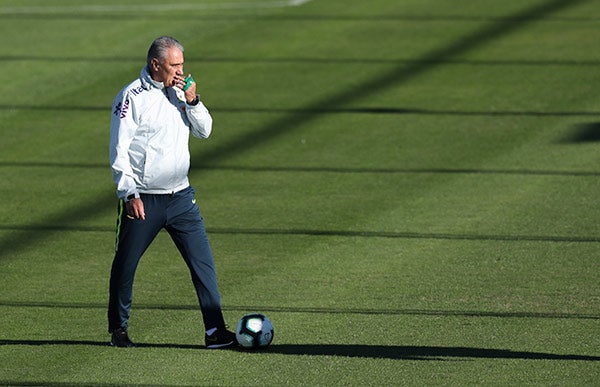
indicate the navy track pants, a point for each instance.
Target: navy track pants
{"x":179,"y":214}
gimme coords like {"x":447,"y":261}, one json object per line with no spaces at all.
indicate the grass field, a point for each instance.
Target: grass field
{"x":407,"y":188}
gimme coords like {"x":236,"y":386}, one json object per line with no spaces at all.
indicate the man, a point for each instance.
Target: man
{"x":149,"y":156}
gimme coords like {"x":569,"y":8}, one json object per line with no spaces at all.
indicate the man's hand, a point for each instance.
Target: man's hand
{"x":135,"y":209}
{"x":190,"y":93}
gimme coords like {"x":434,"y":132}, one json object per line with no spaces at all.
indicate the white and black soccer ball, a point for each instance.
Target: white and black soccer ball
{"x":254,"y":331}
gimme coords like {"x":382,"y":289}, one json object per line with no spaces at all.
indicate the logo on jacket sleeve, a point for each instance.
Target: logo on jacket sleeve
{"x":121,"y":109}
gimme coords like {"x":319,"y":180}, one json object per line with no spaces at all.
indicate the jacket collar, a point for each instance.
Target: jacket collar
{"x":148,"y":82}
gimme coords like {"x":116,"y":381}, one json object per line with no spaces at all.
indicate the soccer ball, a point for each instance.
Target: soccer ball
{"x":254,"y":331}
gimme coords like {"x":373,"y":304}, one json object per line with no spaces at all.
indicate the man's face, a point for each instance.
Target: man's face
{"x":170,"y":69}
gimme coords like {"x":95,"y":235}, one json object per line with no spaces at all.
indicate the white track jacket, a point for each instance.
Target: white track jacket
{"x":149,"y":134}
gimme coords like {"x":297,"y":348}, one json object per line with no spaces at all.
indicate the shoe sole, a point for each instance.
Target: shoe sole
{"x":121,"y":346}
{"x":216,"y":346}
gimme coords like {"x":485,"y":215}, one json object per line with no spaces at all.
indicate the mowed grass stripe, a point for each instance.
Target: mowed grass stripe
{"x":137,"y":8}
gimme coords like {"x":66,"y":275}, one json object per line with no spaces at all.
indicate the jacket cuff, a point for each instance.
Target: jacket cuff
{"x":195,"y":101}
{"x":134,"y":195}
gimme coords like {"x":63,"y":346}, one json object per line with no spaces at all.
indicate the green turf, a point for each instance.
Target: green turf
{"x":408,"y":189}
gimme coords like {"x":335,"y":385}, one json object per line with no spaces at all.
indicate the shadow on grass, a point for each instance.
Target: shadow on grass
{"x":395,"y":352}
{"x":313,"y":310}
{"x":584,"y":133}
{"x":344,"y":233}
{"x":399,"y":352}
{"x":294,"y":169}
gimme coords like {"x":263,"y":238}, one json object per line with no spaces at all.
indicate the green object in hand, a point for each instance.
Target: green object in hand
{"x":188,"y":82}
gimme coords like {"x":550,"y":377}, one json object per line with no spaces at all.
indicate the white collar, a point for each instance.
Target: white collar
{"x":148,"y":82}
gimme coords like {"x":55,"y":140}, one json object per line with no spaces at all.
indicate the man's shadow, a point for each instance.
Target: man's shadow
{"x":395,"y":352}
{"x":399,"y":352}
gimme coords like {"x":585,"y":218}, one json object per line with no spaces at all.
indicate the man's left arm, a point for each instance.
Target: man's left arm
{"x":200,"y":119}
{"x":197,"y":113}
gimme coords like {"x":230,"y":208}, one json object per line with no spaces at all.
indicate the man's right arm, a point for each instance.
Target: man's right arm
{"x":122,"y":131}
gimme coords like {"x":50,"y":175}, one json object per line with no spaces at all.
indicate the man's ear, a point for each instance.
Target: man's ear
{"x":155,"y":64}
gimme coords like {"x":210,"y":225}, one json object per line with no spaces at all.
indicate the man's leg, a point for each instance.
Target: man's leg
{"x":133,"y":238}
{"x":186,"y":227}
